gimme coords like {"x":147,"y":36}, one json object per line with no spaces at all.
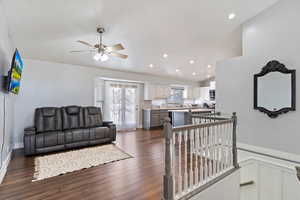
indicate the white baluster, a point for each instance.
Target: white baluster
{"x":223,"y":150}
{"x":197,"y":151}
{"x":185,"y":161}
{"x":210,"y":151}
{"x":227,"y":147}
{"x":192,"y":152}
{"x":174,"y":162}
{"x":220,"y":147}
{"x":206,"y":164}
{"x":201,"y":146}
{"x":217,"y":149}
{"x":213,"y":150}
{"x":222,"y":135}
{"x":231,"y":153}
{"x":179,"y":162}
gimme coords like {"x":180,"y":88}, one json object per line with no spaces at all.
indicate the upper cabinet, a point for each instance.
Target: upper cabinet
{"x":149,"y":91}
{"x":196,"y":92}
{"x":154,"y":91}
{"x":192,"y":92}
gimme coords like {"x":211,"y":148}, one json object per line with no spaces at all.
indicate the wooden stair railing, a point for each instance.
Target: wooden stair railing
{"x":198,"y":155}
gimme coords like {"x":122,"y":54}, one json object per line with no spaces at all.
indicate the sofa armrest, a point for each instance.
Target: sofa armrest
{"x":112,"y":129}
{"x":106,"y":123}
{"x":29,"y":141}
{"x":30,"y":131}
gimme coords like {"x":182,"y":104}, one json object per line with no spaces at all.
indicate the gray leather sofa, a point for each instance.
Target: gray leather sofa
{"x":66,"y":128}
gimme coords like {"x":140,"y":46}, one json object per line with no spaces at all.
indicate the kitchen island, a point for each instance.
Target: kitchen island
{"x":154,"y":117}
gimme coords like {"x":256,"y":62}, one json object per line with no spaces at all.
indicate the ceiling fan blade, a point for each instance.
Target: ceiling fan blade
{"x":81,"y":51}
{"x":85,"y":43}
{"x":116,"y":47}
{"x":118,"y":55}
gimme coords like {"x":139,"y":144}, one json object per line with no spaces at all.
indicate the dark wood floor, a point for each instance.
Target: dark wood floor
{"x":137,"y":178}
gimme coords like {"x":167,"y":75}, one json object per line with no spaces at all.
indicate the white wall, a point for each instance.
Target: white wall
{"x":54,"y":84}
{"x":6,"y":100}
{"x":274,"y":34}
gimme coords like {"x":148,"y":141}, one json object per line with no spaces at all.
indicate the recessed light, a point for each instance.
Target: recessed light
{"x":208,"y":66}
{"x":192,"y":62}
{"x":194,"y":73}
{"x":231,"y":16}
{"x":165,"y":55}
{"x":208,"y":76}
{"x":177,"y":70}
{"x":151,"y":65}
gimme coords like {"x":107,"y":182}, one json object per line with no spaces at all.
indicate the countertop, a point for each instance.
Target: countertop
{"x":181,"y":109}
{"x":192,"y":110}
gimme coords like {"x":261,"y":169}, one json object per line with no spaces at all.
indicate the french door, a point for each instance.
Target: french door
{"x":122,"y":104}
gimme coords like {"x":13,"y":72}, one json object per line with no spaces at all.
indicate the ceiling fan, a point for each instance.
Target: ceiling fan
{"x":102,"y":52}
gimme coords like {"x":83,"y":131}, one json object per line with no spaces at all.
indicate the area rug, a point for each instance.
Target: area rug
{"x":61,"y":163}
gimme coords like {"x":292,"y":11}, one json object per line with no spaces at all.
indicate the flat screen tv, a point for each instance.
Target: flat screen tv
{"x":15,"y":73}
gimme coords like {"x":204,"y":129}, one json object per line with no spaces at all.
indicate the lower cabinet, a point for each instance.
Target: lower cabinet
{"x":154,"y":118}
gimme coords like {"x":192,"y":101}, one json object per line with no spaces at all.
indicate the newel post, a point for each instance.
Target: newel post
{"x":168,"y":177}
{"x":189,"y":118}
{"x":234,"y":138}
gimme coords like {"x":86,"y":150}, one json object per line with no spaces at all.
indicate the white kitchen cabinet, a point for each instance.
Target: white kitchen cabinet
{"x":159,"y":92}
{"x":192,"y":92}
{"x":166,"y":91}
{"x":196,"y":92}
{"x":162,"y":91}
{"x":149,"y":91}
{"x":155,"y":91}
{"x":169,"y":91}
{"x":188,"y":92}
{"x":205,"y":94}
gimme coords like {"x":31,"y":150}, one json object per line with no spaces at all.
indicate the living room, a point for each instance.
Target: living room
{"x":100,"y":79}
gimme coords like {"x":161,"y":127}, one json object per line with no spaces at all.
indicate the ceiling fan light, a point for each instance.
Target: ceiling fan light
{"x":104,"y":57}
{"x":97,"y":56}
{"x":101,"y":57}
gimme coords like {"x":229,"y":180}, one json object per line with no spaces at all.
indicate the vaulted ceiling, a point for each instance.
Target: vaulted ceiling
{"x":187,"y":30}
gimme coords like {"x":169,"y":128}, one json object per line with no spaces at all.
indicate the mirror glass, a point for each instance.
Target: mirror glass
{"x":274,"y":91}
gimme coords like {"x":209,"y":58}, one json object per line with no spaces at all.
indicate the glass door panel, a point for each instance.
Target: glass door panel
{"x":122,"y":103}
{"x":130,"y":112}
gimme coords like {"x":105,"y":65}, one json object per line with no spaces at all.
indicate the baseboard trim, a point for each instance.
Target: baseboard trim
{"x":272,"y":153}
{"x":4,"y":167}
{"x":18,"y":145}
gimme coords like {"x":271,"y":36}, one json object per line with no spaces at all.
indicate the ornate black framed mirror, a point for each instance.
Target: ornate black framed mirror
{"x":275,"y":89}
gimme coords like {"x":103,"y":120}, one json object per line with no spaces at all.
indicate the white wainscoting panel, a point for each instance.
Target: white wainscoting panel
{"x":249,"y":173}
{"x":271,"y":181}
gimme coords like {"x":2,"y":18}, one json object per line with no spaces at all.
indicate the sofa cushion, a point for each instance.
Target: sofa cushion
{"x":48,"y":119}
{"x":48,"y":139}
{"x":99,"y":133}
{"x":77,"y":135}
{"x":92,"y":117}
{"x":72,"y":117}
